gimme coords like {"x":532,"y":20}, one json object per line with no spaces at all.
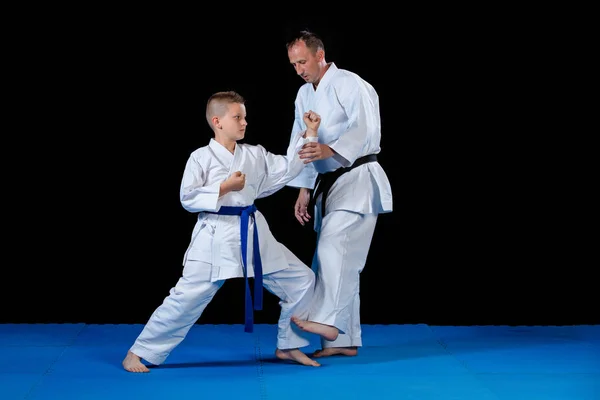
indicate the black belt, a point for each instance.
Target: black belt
{"x":326,"y":180}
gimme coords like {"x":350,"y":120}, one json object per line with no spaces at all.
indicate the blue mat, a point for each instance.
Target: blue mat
{"x":78,"y":361}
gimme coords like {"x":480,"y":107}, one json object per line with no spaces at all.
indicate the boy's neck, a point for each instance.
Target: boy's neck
{"x":228,"y":144}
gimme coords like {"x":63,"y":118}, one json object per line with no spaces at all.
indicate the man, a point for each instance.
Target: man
{"x":231,"y":239}
{"x":351,"y":189}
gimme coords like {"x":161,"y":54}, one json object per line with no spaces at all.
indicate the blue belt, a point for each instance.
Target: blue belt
{"x":245,"y":213}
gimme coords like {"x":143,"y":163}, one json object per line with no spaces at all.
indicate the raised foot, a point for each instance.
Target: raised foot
{"x":297,"y":356}
{"x":326,"y":331}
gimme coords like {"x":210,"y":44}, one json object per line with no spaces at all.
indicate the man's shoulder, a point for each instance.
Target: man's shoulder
{"x":344,"y":75}
{"x":304,"y":88}
{"x":346,"y":81}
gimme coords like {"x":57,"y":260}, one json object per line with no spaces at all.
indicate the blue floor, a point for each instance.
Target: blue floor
{"x":422,"y":362}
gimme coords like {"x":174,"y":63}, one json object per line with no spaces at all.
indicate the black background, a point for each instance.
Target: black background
{"x":484,"y":228}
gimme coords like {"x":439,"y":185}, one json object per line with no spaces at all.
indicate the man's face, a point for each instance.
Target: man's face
{"x":306,"y":64}
{"x":233,"y":123}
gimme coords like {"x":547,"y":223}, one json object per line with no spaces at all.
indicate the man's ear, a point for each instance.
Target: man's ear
{"x":320,"y":54}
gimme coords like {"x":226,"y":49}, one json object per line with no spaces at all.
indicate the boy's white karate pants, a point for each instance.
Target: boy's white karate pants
{"x":172,"y":320}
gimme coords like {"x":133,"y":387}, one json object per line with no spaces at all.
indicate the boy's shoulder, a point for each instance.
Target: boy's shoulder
{"x":252,"y":148}
{"x":199,"y":151}
{"x":204,"y":151}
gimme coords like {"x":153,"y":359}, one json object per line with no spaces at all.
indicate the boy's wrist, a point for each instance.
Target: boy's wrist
{"x":311,"y":132}
{"x":225,"y":187}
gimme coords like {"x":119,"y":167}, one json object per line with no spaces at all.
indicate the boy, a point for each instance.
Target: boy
{"x":220,"y":183}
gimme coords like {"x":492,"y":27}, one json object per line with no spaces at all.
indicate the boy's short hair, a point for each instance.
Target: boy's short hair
{"x":218,"y":102}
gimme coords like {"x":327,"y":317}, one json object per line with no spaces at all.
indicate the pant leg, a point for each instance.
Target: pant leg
{"x":171,"y":321}
{"x":344,"y":239}
{"x":353,"y":337}
{"x":295,"y":287}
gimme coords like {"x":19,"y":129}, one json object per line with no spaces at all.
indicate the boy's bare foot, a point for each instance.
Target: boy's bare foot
{"x":133,"y":363}
{"x":327,"y":331}
{"x":296,"y":355}
{"x":332,"y":351}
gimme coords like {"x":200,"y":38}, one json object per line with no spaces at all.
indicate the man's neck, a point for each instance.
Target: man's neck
{"x":327,"y":65}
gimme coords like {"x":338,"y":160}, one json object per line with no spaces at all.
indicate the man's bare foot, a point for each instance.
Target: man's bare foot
{"x":133,"y":363}
{"x":332,"y":351}
{"x":326,"y":331}
{"x":296,"y":355}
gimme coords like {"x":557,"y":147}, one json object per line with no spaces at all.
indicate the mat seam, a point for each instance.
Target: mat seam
{"x":48,"y":370}
{"x":259,"y":368}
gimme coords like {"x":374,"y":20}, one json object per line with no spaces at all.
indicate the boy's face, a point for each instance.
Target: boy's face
{"x":233,"y":123}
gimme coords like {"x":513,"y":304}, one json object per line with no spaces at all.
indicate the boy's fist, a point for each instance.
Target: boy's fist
{"x":237,"y":180}
{"x":312,"y":120}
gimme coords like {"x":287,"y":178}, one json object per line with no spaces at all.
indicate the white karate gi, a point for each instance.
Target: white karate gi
{"x":214,"y":253}
{"x":351,"y":126}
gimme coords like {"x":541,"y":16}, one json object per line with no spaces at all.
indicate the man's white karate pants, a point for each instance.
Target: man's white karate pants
{"x":344,"y":239}
{"x":172,"y":320}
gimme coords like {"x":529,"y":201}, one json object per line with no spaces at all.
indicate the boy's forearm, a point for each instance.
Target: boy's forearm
{"x":310,"y":133}
{"x":224,"y":189}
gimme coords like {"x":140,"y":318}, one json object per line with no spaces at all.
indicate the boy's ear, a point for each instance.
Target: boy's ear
{"x":216,"y":122}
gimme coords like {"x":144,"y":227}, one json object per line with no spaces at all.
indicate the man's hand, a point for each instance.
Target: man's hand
{"x":315,"y":151}
{"x":301,"y":207}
